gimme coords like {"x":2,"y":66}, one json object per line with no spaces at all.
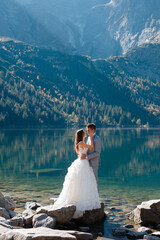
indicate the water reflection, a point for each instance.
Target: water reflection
{"x":125,"y":153}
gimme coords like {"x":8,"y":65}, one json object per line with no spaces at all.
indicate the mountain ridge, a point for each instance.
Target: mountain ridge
{"x":96,"y":28}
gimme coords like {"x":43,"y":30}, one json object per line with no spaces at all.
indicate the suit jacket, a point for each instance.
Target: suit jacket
{"x":93,"y":154}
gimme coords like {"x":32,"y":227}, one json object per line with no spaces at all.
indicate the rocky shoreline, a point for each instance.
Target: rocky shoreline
{"x":47,"y":222}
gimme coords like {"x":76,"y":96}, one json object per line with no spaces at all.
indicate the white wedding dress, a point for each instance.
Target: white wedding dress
{"x":79,"y":187}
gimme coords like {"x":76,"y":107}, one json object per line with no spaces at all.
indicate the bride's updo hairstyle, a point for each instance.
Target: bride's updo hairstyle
{"x":78,"y":138}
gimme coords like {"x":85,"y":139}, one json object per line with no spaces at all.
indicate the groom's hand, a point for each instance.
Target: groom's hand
{"x":83,"y":156}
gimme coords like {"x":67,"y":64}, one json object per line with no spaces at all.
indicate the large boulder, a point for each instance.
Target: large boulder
{"x":62,"y":214}
{"x":92,"y":216}
{"x":147,"y":213}
{"x":16,"y":221}
{"x":4,"y":213}
{"x":7,"y":203}
{"x":43,"y":220}
{"x":27,"y":216}
{"x":40,"y":233}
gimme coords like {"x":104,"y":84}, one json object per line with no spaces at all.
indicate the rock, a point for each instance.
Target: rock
{"x":32,"y":205}
{"x":4,"y":229}
{"x":52,"y":200}
{"x":157,"y":234}
{"x":27,"y":216}
{"x":16,"y":221}
{"x":144,"y":229}
{"x":7,"y":203}
{"x":106,"y":213}
{"x":40,"y":233}
{"x":135,"y":235}
{"x":158,"y":227}
{"x":128,"y":226}
{"x":119,"y":232}
{"x":62,"y":215}
{"x":43,"y":220}
{"x":100,"y":234}
{"x":1,"y":195}
{"x":92,"y":216}
{"x":3,"y":220}
{"x":148,"y":213}
{"x":4,"y":213}
{"x":12,"y":214}
{"x":112,"y":208}
{"x":148,"y":237}
{"x":84,"y":229}
{"x":81,"y":235}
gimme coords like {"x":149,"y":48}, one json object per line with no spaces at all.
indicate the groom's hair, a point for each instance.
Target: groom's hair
{"x":92,"y":126}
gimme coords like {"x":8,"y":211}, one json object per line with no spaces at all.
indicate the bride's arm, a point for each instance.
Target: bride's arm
{"x":84,"y":145}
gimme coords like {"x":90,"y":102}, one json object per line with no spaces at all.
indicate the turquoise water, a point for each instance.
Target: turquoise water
{"x":33,"y":164}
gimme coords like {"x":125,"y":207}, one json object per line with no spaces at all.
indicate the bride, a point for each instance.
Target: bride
{"x":80,"y":186}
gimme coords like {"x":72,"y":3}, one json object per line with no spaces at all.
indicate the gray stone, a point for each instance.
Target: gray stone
{"x":135,"y":235}
{"x":81,"y":235}
{"x":92,"y":216}
{"x":4,"y":229}
{"x":3,"y":220}
{"x":128,"y":226}
{"x":148,"y":213}
{"x":84,"y":229}
{"x":16,"y":221}
{"x":119,"y":232}
{"x":62,"y":215}
{"x":144,"y":229}
{"x":27,"y":216}
{"x":40,"y":233}
{"x":7,"y":203}
{"x":43,"y":220}
{"x":32,"y":205}
{"x":148,"y":237}
{"x":157,"y":234}
{"x":12,"y":214}
{"x":4,"y":213}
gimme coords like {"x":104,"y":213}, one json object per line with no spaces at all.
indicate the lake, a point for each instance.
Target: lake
{"x":33,"y":164}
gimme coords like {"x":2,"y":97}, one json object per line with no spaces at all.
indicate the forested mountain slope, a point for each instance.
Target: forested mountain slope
{"x":43,"y":87}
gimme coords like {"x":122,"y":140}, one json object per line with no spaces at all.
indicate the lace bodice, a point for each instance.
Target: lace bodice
{"x":82,"y":150}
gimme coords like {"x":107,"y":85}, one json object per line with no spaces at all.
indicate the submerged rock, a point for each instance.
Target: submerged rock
{"x":147,"y":213}
{"x":62,"y":214}
{"x":119,"y":232}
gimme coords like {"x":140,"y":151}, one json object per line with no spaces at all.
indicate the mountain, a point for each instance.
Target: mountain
{"x":40,"y":87}
{"x":18,"y":24}
{"x":97,"y":28}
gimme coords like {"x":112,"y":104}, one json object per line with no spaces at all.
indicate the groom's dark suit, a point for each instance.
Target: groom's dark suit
{"x":93,"y":154}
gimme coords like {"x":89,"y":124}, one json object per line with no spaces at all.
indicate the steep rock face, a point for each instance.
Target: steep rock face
{"x":18,"y":24}
{"x":98,"y":28}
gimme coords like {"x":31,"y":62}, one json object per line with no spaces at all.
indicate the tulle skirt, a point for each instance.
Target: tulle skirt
{"x":79,"y":188}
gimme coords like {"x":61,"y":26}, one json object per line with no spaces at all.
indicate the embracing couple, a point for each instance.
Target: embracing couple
{"x":80,"y":187}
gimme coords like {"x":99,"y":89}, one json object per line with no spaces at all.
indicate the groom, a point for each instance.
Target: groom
{"x":93,"y":154}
